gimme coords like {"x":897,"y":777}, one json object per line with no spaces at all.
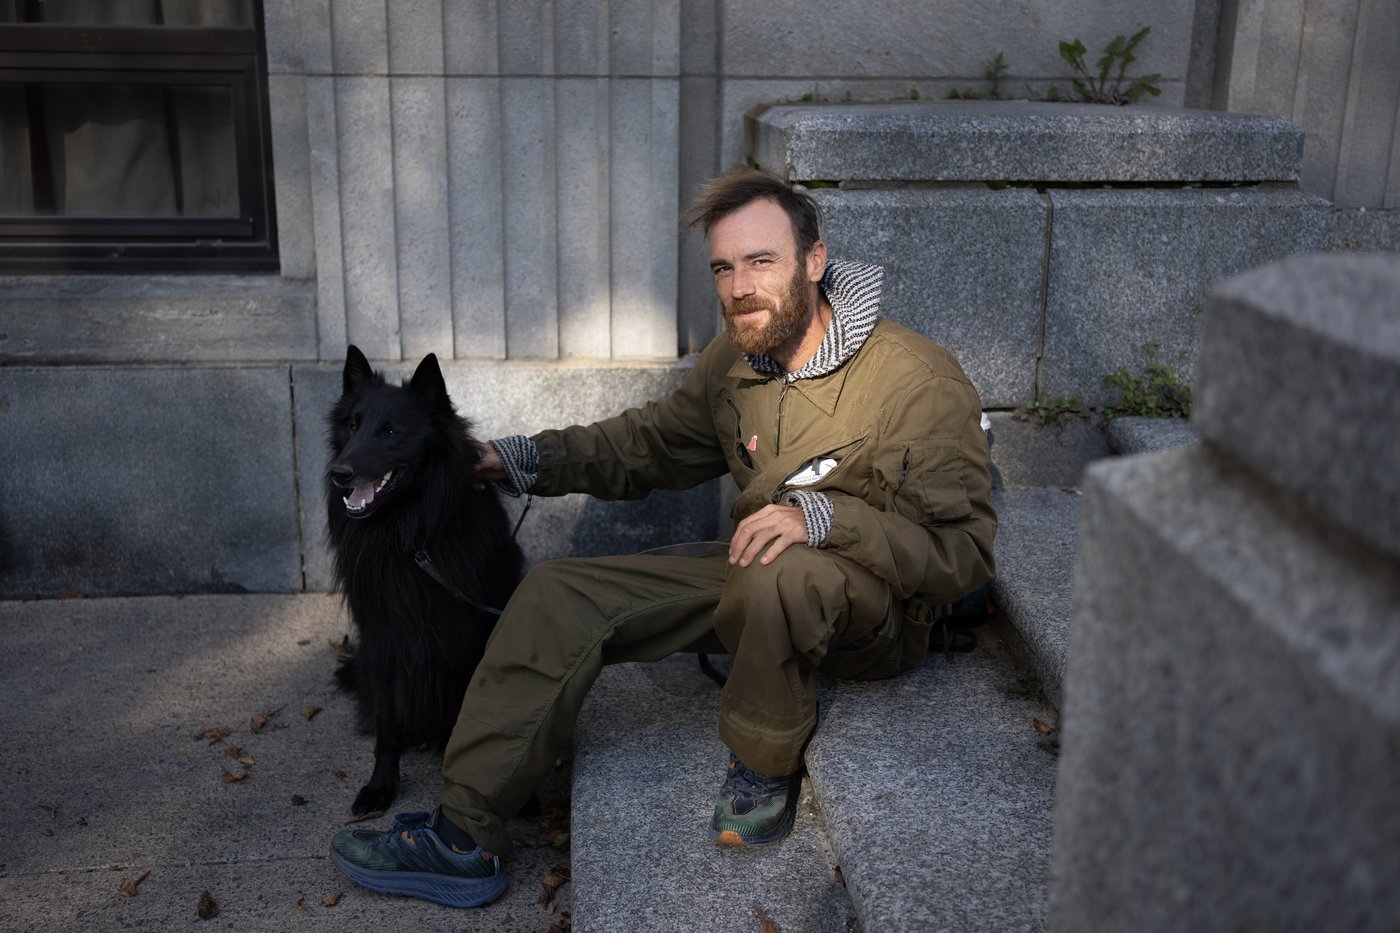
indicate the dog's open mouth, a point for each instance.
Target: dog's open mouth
{"x":362,"y":499}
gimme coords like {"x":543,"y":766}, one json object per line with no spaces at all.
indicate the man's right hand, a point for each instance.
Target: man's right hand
{"x":489,"y":468}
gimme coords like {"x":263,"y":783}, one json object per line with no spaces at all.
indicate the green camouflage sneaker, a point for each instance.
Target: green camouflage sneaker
{"x":413,"y":860}
{"x":753,"y":809}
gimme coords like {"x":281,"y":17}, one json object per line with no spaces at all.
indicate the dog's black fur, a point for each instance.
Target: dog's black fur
{"x":418,"y":642}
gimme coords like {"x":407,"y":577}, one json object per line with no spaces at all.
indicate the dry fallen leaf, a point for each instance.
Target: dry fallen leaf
{"x":338,"y":773}
{"x":840,"y":878}
{"x":46,"y":831}
{"x":260,"y":719}
{"x":562,"y":925}
{"x":362,"y":817}
{"x":233,"y":751}
{"x":342,"y":646}
{"x":1044,"y":728}
{"x":558,"y":876}
{"x":52,"y":808}
{"x":330,"y":900}
{"x":216,"y":733}
{"x":766,"y":924}
{"x":299,"y":904}
{"x":233,"y":777}
{"x":309,"y":712}
{"x":245,"y":760}
{"x":207,"y":908}
{"x":128,"y":888}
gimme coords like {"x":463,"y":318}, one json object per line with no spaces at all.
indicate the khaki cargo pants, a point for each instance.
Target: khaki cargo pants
{"x":808,"y":610}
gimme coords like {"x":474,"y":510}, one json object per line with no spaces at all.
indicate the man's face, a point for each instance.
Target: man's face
{"x":764,"y":287}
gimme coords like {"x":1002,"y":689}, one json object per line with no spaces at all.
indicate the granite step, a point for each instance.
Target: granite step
{"x":937,"y":788}
{"x":1037,"y":531}
{"x":932,"y":792}
{"x":647,"y":764}
{"x":1137,"y":435}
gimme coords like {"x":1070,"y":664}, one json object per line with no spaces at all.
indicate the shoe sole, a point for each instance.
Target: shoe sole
{"x":732,"y":837}
{"x":440,"y":889}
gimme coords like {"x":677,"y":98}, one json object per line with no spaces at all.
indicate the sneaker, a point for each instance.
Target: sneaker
{"x":413,"y":860}
{"x":753,"y":809}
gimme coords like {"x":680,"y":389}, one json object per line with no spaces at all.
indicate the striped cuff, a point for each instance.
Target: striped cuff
{"x":818,"y":512}
{"x":521,"y":459}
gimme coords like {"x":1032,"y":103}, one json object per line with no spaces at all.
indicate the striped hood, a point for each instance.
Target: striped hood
{"x":853,"y":289}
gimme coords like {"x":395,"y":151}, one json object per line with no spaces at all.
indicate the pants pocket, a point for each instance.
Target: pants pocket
{"x":896,"y":646}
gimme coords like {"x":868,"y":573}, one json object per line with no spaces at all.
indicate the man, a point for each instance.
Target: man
{"x":864,"y":511}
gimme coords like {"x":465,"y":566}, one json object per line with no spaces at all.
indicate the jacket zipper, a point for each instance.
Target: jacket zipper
{"x":778,"y":421}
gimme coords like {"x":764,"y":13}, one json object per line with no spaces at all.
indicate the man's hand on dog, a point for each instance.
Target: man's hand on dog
{"x":488,"y":468}
{"x":773,"y":527}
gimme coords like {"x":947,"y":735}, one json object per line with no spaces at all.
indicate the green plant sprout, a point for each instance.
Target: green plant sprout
{"x":1119,"y":52}
{"x":1157,"y":392}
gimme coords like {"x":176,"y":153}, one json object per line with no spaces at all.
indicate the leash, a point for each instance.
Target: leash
{"x":425,"y":563}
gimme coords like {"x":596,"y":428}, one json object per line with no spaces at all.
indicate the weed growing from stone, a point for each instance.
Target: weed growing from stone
{"x":1157,"y":392}
{"x":1119,"y":53}
{"x":1060,"y":411}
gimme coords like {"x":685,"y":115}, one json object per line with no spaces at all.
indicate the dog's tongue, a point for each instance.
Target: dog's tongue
{"x":361,"y":496}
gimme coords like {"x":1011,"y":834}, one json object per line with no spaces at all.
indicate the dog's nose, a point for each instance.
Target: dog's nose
{"x":342,"y":475}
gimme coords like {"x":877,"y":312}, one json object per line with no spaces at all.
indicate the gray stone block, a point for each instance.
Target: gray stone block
{"x":1148,"y":435}
{"x":581,"y":37}
{"x":1054,"y":453}
{"x":365,"y":156}
{"x":470,"y":37}
{"x":651,"y":46}
{"x":282,"y":21}
{"x":147,"y":480}
{"x":359,"y":37}
{"x":296,"y":241}
{"x":1231,"y":751}
{"x":1368,"y":139}
{"x":907,"y":37}
{"x":529,"y":199}
{"x":525,"y":38}
{"x":1037,"y":531}
{"x":644,"y":156}
{"x":584,"y":163}
{"x":1367,"y":230}
{"x":476,"y":217}
{"x":421,"y":225}
{"x":415,"y":37}
{"x":648,"y":732}
{"x":1299,"y":377}
{"x":155,"y":318}
{"x":936,"y":790}
{"x":314,"y":22}
{"x":325,"y":208}
{"x":521,"y":398}
{"x":1129,"y":268}
{"x":130,"y":684}
{"x":963,"y":266}
{"x":1022,"y":141}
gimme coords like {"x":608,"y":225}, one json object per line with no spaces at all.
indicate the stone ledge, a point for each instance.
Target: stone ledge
{"x":1021,"y":141}
{"x":156,"y":318}
{"x":1037,"y":534}
{"x":1135,"y":435}
{"x":1298,"y":378}
{"x":936,"y":789}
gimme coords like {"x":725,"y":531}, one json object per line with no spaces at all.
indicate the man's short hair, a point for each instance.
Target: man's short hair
{"x":742,"y":185}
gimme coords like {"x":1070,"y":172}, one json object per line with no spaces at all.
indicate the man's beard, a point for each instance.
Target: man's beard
{"x":783,"y":324}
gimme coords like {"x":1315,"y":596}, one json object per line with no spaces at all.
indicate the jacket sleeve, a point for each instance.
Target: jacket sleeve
{"x":666,"y":444}
{"x":934,"y":535}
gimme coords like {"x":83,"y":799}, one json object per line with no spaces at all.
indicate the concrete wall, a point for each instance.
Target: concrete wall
{"x":1332,"y":67}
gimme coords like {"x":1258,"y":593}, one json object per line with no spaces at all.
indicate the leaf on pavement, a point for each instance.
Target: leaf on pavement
{"x":558,"y":876}
{"x":330,"y":900}
{"x":207,"y":908}
{"x":128,"y":888}
{"x":765,"y":922}
{"x":309,"y":712}
{"x":233,"y":777}
{"x":1044,"y":728}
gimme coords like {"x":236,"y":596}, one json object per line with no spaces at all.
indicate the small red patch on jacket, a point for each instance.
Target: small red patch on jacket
{"x":753,"y":443}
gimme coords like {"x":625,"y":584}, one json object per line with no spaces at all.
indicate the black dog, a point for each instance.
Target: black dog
{"x":421,"y":553}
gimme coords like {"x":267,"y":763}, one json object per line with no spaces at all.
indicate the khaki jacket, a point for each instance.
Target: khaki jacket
{"x":911,"y":488}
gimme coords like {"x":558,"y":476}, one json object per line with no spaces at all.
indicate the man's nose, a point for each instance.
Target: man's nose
{"x":741,"y":283}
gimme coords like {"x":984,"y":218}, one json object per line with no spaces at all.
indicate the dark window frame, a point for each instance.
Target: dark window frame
{"x":235,"y":57}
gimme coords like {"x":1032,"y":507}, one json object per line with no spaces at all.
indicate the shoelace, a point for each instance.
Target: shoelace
{"x":753,"y":784}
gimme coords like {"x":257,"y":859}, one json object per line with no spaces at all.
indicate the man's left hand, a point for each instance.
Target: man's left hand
{"x":773,"y":527}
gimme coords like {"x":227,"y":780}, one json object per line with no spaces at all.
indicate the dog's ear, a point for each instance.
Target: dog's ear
{"x":357,"y":371}
{"x":427,"y":383}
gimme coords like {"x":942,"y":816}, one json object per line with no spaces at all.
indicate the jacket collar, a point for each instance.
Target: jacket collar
{"x":853,"y":289}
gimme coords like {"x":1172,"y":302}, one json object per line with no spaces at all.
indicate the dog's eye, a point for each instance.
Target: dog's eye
{"x":354,"y":424}
{"x":388,"y":431}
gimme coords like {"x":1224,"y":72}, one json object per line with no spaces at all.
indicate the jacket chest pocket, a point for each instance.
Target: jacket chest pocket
{"x":740,"y":451}
{"x":923,"y":482}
